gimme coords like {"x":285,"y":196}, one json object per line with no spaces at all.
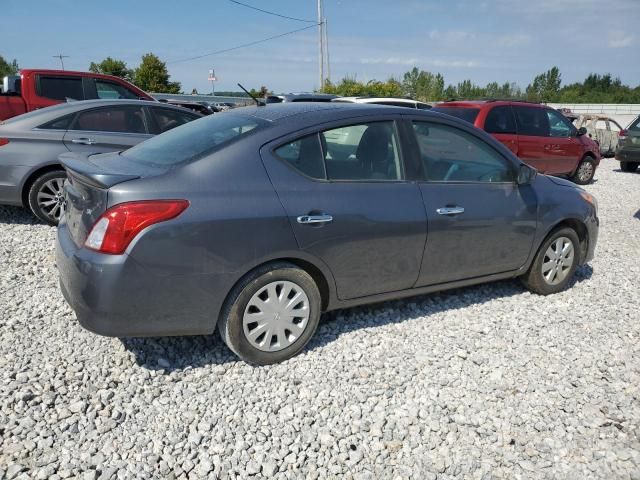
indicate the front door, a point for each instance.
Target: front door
{"x":480,"y":221}
{"x":349,"y":205}
{"x":107,"y":129}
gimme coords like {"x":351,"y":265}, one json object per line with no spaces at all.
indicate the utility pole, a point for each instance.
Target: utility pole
{"x":60,"y":56}
{"x":326,"y":48}
{"x":321,"y":51}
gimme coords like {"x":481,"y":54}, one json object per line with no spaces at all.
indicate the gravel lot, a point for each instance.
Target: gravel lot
{"x":479,"y":383}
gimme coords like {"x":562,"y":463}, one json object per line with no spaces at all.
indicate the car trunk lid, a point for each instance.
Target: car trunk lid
{"x":89,"y":178}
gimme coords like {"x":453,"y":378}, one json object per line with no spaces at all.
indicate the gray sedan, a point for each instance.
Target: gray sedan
{"x":31,"y":174}
{"x":257,"y":220}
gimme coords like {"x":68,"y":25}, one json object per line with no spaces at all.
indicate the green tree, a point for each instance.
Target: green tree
{"x":422,"y":85}
{"x":111,"y":66}
{"x":152,"y":76}
{"x":7,"y":68}
{"x":546,"y":86}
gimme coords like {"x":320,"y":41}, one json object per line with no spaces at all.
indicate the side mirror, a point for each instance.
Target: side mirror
{"x":526,"y":174}
{"x":582,"y":131}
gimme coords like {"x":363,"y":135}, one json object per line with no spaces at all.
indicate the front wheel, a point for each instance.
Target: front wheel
{"x":271,"y":315}
{"x":554,"y":264}
{"x":585,"y":172}
{"x":628,"y":166}
{"x":46,"y":196}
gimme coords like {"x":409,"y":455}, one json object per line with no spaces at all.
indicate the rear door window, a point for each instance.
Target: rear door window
{"x":500,"y":120}
{"x":60,"y":88}
{"x":531,"y":121}
{"x":168,"y":118}
{"x":305,"y":155}
{"x":117,"y":119}
{"x":106,"y":89}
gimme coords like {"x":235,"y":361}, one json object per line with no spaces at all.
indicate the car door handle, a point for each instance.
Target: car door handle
{"x":450,"y":211}
{"x":84,"y":141}
{"x":310,"y":219}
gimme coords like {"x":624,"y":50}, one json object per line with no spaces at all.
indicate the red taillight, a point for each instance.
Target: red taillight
{"x":116,"y":227}
{"x":623,"y":135}
{"x":4,"y":141}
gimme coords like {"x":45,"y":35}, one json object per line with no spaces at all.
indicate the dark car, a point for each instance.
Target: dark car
{"x":539,"y":135}
{"x":202,"y":108}
{"x":628,"y":151}
{"x":31,"y":174}
{"x":258,"y":220}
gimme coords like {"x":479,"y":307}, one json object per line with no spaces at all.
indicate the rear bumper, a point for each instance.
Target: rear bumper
{"x":113,"y":295}
{"x":626,"y":155}
{"x":11,"y":180}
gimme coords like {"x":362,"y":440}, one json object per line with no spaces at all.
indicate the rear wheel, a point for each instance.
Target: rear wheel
{"x":585,"y":171}
{"x":46,"y":196}
{"x":555,"y":263}
{"x":628,"y":166}
{"x":271,"y":315}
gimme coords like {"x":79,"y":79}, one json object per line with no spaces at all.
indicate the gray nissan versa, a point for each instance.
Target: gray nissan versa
{"x":258,"y":220}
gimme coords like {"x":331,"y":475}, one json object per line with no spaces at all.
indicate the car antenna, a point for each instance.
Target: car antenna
{"x":258,"y":102}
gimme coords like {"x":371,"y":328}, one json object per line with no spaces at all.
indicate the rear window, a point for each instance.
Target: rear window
{"x":466,"y":114}
{"x":193,"y":140}
{"x":635,"y":125}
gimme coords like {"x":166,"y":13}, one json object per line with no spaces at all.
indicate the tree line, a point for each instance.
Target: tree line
{"x":545,"y":87}
{"x":152,"y":76}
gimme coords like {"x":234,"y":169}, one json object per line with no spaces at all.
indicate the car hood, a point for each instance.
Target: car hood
{"x":562,"y":182}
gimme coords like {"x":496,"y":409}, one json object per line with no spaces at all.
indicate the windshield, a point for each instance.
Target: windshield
{"x":466,"y":114}
{"x":193,"y":140}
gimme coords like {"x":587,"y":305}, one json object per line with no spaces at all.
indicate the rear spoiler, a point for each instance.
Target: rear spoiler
{"x":79,"y":166}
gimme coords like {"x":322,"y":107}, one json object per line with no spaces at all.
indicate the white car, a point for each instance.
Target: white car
{"x":394,"y":102}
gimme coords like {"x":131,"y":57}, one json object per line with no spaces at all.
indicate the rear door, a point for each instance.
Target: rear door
{"x":533,"y":136}
{"x":480,"y":221}
{"x":563,"y":148}
{"x":501,"y":123}
{"x":107,"y":129}
{"x":346,"y":193}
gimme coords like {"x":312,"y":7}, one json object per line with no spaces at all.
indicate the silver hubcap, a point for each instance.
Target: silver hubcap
{"x":558,"y":260}
{"x":585,"y":171}
{"x":51,"y":198}
{"x":276,"y":316}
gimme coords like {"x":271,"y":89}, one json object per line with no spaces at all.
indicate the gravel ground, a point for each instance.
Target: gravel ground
{"x":479,"y":383}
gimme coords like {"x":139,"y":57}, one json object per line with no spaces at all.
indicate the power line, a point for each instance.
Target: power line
{"x":271,"y":13}
{"x":244,"y":45}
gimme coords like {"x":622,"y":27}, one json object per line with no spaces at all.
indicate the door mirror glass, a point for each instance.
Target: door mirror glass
{"x":526,"y":174}
{"x":582,"y":131}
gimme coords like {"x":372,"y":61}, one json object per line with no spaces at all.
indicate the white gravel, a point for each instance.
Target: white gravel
{"x":479,"y":383}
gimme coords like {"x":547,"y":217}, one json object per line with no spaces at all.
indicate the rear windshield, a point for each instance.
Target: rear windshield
{"x":466,"y":114}
{"x":635,"y":125}
{"x":193,"y":140}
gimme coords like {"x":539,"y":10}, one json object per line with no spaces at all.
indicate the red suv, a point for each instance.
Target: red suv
{"x":537,"y":134}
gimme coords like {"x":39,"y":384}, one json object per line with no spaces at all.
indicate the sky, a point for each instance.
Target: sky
{"x":484,"y":40}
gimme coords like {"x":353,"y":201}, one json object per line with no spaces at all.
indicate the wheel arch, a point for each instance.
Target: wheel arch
{"x":577,"y":226}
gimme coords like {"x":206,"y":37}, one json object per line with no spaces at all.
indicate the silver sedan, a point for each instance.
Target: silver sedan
{"x":31,"y":174}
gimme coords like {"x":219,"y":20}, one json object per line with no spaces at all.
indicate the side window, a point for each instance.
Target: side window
{"x":601,"y":124}
{"x":305,"y":155}
{"x":500,"y":120}
{"x":532,"y":121}
{"x":453,"y":155}
{"x":61,"y":88}
{"x":167,"y":118}
{"x":108,"y":89}
{"x":368,"y":151}
{"x":111,"y":119}
{"x":58,"y":123}
{"x":559,"y":126}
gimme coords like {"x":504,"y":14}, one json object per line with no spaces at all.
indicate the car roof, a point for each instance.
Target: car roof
{"x":300,"y":96}
{"x":376,"y":99}
{"x":481,"y":103}
{"x":44,"y":115}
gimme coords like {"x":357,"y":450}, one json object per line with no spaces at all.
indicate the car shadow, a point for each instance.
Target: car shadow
{"x":180,"y":353}
{"x":10,"y":215}
{"x":637,"y":215}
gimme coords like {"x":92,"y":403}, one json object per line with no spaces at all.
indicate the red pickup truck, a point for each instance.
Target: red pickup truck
{"x":34,"y":89}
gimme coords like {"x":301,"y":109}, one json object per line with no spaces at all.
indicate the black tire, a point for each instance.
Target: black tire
{"x":41,"y":186}
{"x":231,"y":326}
{"x":585,"y":171}
{"x":534,"y":279}
{"x":628,"y":166}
